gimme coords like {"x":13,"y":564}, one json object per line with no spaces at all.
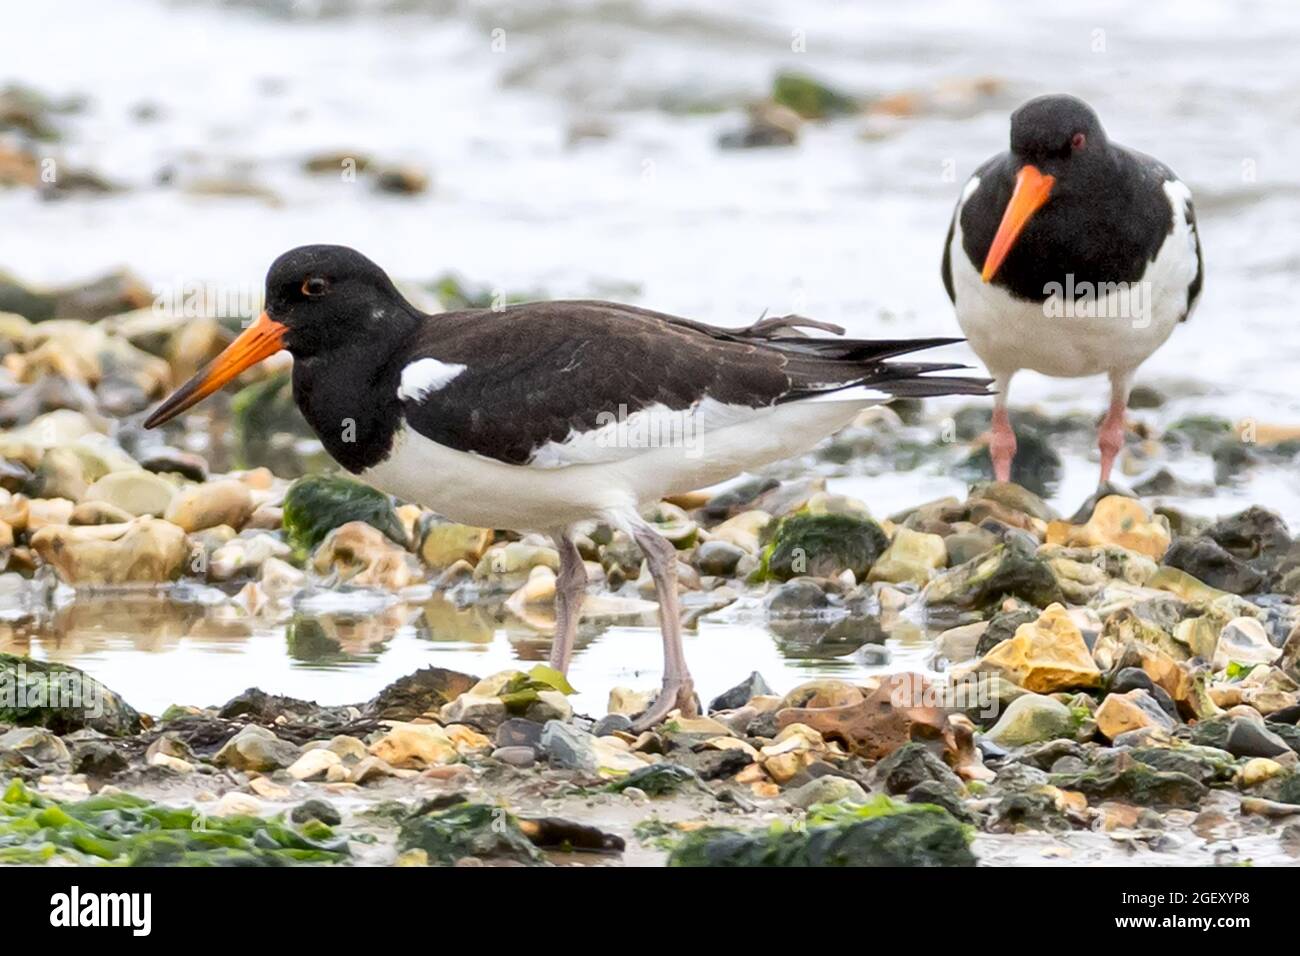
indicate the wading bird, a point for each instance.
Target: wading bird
{"x":1070,"y":255}
{"x":536,"y":417}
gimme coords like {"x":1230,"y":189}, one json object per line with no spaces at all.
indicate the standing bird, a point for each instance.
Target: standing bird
{"x":538,"y":417}
{"x":1070,"y":255}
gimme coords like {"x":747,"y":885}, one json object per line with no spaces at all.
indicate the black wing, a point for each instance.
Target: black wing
{"x":537,"y":374}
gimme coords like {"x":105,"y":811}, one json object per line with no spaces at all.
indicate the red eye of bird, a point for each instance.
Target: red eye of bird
{"x":1078,"y":141}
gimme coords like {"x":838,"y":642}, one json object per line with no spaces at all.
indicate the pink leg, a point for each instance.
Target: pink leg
{"x":1110,"y":437}
{"x":1002,"y":446}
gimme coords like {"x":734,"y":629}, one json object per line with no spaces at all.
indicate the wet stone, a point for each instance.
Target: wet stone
{"x":913,"y":764}
{"x":740,"y":695}
{"x":316,"y":809}
{"x":521,"y":757}
{"x":609,"y":724}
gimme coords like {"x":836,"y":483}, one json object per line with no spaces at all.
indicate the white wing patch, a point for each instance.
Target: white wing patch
{"x":425,"y":376}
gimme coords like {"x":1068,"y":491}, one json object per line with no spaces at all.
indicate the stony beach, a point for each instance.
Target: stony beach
{"x":1117,"y":683}
{"x":955,"y":671}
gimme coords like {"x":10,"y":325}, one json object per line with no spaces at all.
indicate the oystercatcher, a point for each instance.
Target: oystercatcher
{"x":537,"y":417}
{"x":1070,"y":255}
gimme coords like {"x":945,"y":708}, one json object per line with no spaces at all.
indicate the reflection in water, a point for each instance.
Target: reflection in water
{"x":199,"y":646}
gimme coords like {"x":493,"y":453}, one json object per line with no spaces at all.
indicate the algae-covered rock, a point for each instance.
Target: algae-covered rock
{"x":810,"y":98}
{"x":317,"y":504}
{"x":1030,"y":719}
{"x":985,"y":580}
{"x":880,"y":833}
{"x":1135,"y":782}
{"x":468,"y":830}
{"x":61,"y":699}
{"x":822,"y":545}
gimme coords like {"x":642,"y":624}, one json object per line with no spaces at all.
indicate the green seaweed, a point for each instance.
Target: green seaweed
{"x":126,"y":830}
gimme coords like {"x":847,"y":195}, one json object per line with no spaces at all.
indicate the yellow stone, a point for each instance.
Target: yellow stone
{"x":1257,"y":770}
{"x":1123,"y":522}
{"x":415,"y":746}
{"x":445,"y":544}
{"x":1045,"y":656}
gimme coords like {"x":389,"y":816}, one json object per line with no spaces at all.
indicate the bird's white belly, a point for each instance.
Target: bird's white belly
{"x":1114,"y":331}
{"x":480,"y":491}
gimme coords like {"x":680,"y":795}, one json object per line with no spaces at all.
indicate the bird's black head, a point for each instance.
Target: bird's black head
{"x":1061,"y":154}
{"x":328,"y":296}
{"x":319,"y":299}
{"x":1055,"y":132}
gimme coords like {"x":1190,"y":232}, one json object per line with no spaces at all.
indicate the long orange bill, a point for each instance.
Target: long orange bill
{"x":1032,"y":190}
{"x":260,"y":340}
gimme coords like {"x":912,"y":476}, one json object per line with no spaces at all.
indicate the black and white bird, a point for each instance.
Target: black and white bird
{"x":538,"y":417}
{"x":1070,"y":255}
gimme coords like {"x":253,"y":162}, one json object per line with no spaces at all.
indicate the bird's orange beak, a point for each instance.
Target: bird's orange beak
{"x":1032,"y":190}
{"x":260,"y":340}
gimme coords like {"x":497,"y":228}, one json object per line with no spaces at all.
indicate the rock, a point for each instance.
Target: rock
{"x":1205,"y":765}
{"x":742,"y":530}
{"x":226,"y":502}
{"x":796,"y":598}
{"x":1031,"y":719}
{"x":135,"y":492}
{"x":610,"y":724}
{"x":623,"y":700}
{"x":1258,"y":770}
{"x":569,"y":748}
{"x":467,"y":830}
{"x":810,"y":98}
{"x":402,"y":180}
{"x":1243,"y":641}
{"x":415,"y":746}
{"x":364,"y":557}
{"x":514,"y":560}
{"x":165,"y":460}
{"x":1116,"y":520}
{"x":1128,"y":780}
{"x":934,"y":793}
{"x":911,"y":557}
{"x":316,"y":809}
{"x":256,"y":748}
{"x":1246,"y":738}
{"x":487,"y":713}
{"x":880,"y":723}
{"x":60,"y":698}
{"x":822,"y":545}
{"x":964,"y":546}
{"x":918,"y":836}
{"x":35,"y":744}
{"x":1135,"y":710}
{"x":958,"y":644}
{"x":422,"y":692}
{"x":97,"y":758}
{"x":1207,"y":561}
{"x":912,"y":764}
{"x":821,"y":693}
{"x":522,"y":757}
{"x":826,"y":789}
{"x":315,"y":764}
{"x":1134,"y":678}
{"x":146,"y":550}
{"x":1255,"y":534}
{"x":739,"y":696}
{"x":316,"y":505}
{"x":445,"y":544}
{"x":1037,"y":466}
{"x":1010,"y":497}
{"x":1046,"y":656}
{"x":98,"y":512}
{"x":989,"y":578}
{"x":518,"y":732}
{"x":718,"y":558}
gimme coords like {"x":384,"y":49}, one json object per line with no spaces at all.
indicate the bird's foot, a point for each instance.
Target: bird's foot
{"x":674,"y":695}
